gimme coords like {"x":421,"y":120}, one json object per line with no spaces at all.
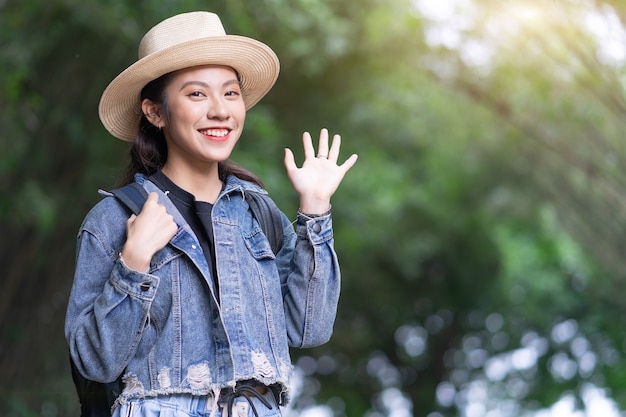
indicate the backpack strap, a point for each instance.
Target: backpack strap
{"x":269,"y":217}
{"x":132,"y":196}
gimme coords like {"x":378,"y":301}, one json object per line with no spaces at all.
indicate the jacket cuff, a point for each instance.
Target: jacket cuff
{"x":318,"y":228}
{"x":134,"y":283}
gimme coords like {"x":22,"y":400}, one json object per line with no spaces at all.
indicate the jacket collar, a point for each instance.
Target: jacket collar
{"x":233,"y":184}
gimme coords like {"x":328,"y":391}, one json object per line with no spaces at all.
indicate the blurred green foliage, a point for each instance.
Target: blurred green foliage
{"x":480,"y":234}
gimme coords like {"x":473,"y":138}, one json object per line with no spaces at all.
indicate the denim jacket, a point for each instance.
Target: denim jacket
{"x":164,"y":329}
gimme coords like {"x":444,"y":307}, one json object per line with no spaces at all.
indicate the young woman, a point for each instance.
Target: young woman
{"x":187,"y":300}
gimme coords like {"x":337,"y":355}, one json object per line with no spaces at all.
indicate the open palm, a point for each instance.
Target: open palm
{"x":320,"y":175}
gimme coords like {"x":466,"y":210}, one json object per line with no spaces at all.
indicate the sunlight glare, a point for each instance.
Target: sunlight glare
{"x":440,"y":10}
{"x":611,"y":36}
{"x":447,"y":20}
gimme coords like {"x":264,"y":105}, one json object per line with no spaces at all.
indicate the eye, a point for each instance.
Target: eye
{"x":196,"y":94}
{"x":232,"y":93}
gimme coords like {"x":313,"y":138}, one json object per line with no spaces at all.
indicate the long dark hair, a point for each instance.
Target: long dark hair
{"x":148,"y":152}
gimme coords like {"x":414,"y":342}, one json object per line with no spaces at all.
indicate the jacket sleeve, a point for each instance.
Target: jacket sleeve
{"x":107,"y":310}
{"x":310,"y":278}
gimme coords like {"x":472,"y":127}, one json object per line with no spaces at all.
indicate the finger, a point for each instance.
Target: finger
{"x":289,"y":161}
{"x":173,"y":228}
{"x":333,"y":154}
{"x":307,"y":143}
{"x":322,"y":148}
{"x":349,"y":163}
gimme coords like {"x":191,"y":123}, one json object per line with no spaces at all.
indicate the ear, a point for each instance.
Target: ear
{"x":152,"y":111}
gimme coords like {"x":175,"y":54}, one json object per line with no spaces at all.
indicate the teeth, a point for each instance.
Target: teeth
{"x":215,"y":132}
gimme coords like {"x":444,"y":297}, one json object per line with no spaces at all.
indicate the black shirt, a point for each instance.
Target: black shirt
{"x":196,"y":213}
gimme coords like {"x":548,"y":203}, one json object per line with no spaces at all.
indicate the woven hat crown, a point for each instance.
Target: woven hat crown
{"x":180,"y":28}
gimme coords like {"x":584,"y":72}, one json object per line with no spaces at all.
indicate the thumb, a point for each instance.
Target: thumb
{"x":153,"y":197}
{"x":349,"y":163}
{"x":290,"y":162}
{"x":150,"y":200}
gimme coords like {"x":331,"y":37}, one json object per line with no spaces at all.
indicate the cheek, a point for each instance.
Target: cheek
{"x":240,"y":113}
{"x":186,"y":116}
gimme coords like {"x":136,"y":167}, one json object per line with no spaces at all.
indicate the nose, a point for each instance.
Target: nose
{"x":217,"y":109}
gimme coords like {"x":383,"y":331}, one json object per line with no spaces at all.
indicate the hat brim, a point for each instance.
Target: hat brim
{"x":256,"y":64}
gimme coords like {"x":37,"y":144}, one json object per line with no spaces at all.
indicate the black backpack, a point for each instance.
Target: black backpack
{"x":96,"y":399}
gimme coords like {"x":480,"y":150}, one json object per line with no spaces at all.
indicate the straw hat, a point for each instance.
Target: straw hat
{"x":183,"y":41}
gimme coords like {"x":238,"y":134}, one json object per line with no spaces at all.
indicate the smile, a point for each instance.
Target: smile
{"x":218,"y":133}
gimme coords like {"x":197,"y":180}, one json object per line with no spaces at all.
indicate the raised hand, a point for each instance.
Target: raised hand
{"x":320,"y":175}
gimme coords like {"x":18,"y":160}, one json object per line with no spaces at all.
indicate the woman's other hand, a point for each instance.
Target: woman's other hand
{"x":320,"y":175}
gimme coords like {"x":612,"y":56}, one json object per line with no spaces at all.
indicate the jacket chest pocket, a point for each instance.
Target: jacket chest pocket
{"x":262,"y":264}
{"x":258,"y":245}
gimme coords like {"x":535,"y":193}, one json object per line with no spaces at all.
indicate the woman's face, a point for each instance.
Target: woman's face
{"x":206,"y":115}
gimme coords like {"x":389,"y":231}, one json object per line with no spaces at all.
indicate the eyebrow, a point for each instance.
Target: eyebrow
{"x":205,"y":85}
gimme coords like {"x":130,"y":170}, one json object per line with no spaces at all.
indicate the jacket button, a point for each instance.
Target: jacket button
{"x":317,"y":228}
{"x":145,"y":286}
